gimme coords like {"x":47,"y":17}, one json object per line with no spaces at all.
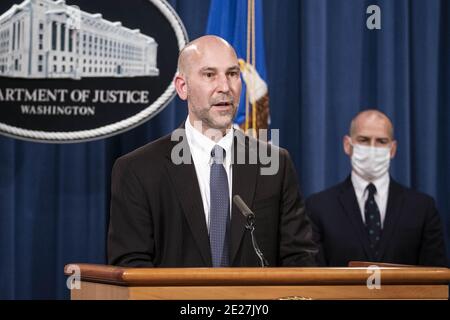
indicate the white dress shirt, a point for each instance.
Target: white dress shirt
{"x":381,"y":196}
{"x":201,"y":146}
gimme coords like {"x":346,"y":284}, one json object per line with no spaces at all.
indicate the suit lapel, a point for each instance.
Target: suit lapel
{"x":393,"y":210}
{"x":184,"y":179}
{"x":349,"y":202}
{"x":244,"y":182}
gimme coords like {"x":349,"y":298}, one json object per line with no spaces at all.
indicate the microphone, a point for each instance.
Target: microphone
{"x":244,"y":209}
{"x":250,"y":225}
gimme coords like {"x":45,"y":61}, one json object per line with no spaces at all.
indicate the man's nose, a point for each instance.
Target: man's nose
{"x":223,"y":84}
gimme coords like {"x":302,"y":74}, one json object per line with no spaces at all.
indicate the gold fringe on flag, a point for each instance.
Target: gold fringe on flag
{"x":256,"y":109}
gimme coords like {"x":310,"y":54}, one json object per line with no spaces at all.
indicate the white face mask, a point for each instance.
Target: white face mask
{"x":370,"y":162}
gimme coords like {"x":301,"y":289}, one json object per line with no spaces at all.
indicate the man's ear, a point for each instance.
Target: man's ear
{"x":181,"y":86}
{"x":393,"y":149}
{"x":348,"y":149}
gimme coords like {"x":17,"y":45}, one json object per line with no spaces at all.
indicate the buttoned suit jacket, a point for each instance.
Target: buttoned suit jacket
{"x":412,"y":233}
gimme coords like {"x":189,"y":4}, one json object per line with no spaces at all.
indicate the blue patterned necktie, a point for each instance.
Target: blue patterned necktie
{"x":373,"y":219}
{"x":219,"y":209}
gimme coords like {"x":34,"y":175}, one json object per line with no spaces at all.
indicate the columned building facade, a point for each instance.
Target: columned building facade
{"x":49,"y":39}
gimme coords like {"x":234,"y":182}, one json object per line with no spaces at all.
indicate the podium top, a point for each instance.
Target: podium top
{"x":255,"y":276}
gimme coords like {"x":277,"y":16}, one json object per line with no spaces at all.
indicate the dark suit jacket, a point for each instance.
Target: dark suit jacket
{"x":157,"y":216}
{"x":412,"y":232}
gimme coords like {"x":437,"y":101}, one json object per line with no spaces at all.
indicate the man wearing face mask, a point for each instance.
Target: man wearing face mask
{"x":369,"y":216}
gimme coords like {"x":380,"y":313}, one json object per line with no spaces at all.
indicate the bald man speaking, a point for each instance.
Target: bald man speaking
{"x":369,"y":216}
{"x":171,"y":200}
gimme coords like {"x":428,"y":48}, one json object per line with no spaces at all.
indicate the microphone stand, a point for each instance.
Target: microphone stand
{"x":250,"y":225}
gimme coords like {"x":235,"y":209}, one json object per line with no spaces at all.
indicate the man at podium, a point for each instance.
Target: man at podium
{"x":171,"y":201}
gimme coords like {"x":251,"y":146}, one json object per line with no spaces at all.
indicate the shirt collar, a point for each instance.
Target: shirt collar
{"x":202,"y":145}
{"x":360,"y":184}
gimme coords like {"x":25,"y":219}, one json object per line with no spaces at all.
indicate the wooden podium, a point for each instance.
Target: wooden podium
{"x":109,"y":282}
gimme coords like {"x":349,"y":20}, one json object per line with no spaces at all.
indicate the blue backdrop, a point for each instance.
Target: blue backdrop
{"x":323,"y":66}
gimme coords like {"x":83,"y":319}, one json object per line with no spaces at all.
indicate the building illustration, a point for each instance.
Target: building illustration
{"x":50,"y":39}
